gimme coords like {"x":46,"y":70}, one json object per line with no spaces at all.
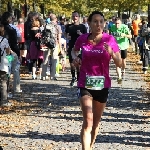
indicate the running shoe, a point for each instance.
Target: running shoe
{"x":43,"y":78}
{"x":34,"y":77}
{"x":73,"y":81}
{"x":123,"y":74}
{"x":119,"y":80}
{"x":54,"y":78}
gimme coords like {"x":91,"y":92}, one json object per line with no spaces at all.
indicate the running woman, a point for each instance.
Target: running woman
{"x":94,"y":82}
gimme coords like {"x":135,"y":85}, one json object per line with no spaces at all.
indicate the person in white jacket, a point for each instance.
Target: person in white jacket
{"x":4,"y":50}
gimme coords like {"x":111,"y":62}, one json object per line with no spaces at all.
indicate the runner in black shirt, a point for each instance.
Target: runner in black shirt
{"x":73,"y":31}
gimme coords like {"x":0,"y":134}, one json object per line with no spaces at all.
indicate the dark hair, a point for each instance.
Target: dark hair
{"x":36,"y":15}
{"x":95,"y":13}
{"x":42,"y":22}
{"x":30,"y":15}
{"x":113,"y":17}
{"x":50,"y":12}
{"x":60,"y":18}
{"x":117,"y":18}
{"x":143,"y":22}
{"x":4,"y":18}
{"x":67,"y":19}
{"x":75,"y":12}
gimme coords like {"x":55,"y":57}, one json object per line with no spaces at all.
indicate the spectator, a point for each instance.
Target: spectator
{"x":35,"y":55}
{"x":23,"y":49}
{"x":86,"y":24}
{"x":56,"y":32}
{"x":135,"y":26}
{"x":10,"y":32}
{"x":111,"y":22}
{"x":11,"y":35}
{"x":27,"y":37}
{"x":4,"y":50}
{"x":48,"y":20}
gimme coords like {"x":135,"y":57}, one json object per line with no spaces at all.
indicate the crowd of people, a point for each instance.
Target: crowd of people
{"x":90,"y":45}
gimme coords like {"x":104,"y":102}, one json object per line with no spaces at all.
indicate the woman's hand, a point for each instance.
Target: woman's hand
{"x":77,"y":61}
{"x":115,"y":56}
{"x":108,"y":49}
{"x":38,"y":35}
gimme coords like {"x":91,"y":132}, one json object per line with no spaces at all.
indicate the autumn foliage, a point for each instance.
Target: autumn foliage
{"x":83,"y":6}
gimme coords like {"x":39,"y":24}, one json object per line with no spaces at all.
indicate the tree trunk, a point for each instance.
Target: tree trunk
{"x":9,"y":7}
{"x":42,"y":7}
{"x":34,"y":6}
{"x":129,"y":12}
{"x":149,"y":14}
{"x":119,"y":13}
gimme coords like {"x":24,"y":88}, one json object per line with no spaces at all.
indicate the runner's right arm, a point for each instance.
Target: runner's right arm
{"x":76,"y":57}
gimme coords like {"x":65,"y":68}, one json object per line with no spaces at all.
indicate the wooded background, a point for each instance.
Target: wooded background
{"x":84,"y":7}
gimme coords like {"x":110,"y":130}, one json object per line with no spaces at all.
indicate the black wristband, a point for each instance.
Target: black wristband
{"x":80,"y":56}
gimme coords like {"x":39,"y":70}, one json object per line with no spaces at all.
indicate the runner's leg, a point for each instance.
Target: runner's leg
{"x":72,"y":68}
{"x":98,"y":109}
{"x":118,"y":69}
{"x":87,"y":111}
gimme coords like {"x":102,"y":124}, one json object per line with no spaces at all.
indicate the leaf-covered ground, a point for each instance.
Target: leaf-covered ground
{"x":133,"y":58}
{"x":47,"y":115}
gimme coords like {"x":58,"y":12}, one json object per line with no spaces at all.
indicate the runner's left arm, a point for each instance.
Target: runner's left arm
{"x":114,"y":54}
{"x":76,"y":59}
{"x":74,"y":53}
{"x":127,"y":33}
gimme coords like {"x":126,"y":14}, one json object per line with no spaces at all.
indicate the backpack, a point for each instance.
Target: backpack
{"x":38,"y":42}
{"x":1,"y":54}
{"x":11,"y":36}
{"x":146,"y":35}
{"x":49,"y":35}
{"x":148,"y":38}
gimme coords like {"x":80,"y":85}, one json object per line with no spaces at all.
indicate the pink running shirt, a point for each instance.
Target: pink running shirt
{"x":95,"y":59}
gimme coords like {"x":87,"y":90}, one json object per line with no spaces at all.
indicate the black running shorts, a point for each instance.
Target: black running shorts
{"x":124,"y":54}
{"x":97,"y":95}
{"x":70,"y":56}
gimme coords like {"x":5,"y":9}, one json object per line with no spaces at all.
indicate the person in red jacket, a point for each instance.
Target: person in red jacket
{"x":135,"y":25}
{"x":22,"y":47}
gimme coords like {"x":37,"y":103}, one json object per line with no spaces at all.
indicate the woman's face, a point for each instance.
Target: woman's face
{"x":35,"y":17}
{"x":97,"y":24}
{"x":10,"y":19}
{"x":38,"y":24}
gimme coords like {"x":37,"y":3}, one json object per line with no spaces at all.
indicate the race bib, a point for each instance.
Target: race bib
{"x":95,"y":82}
{"x":116,"y":34}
